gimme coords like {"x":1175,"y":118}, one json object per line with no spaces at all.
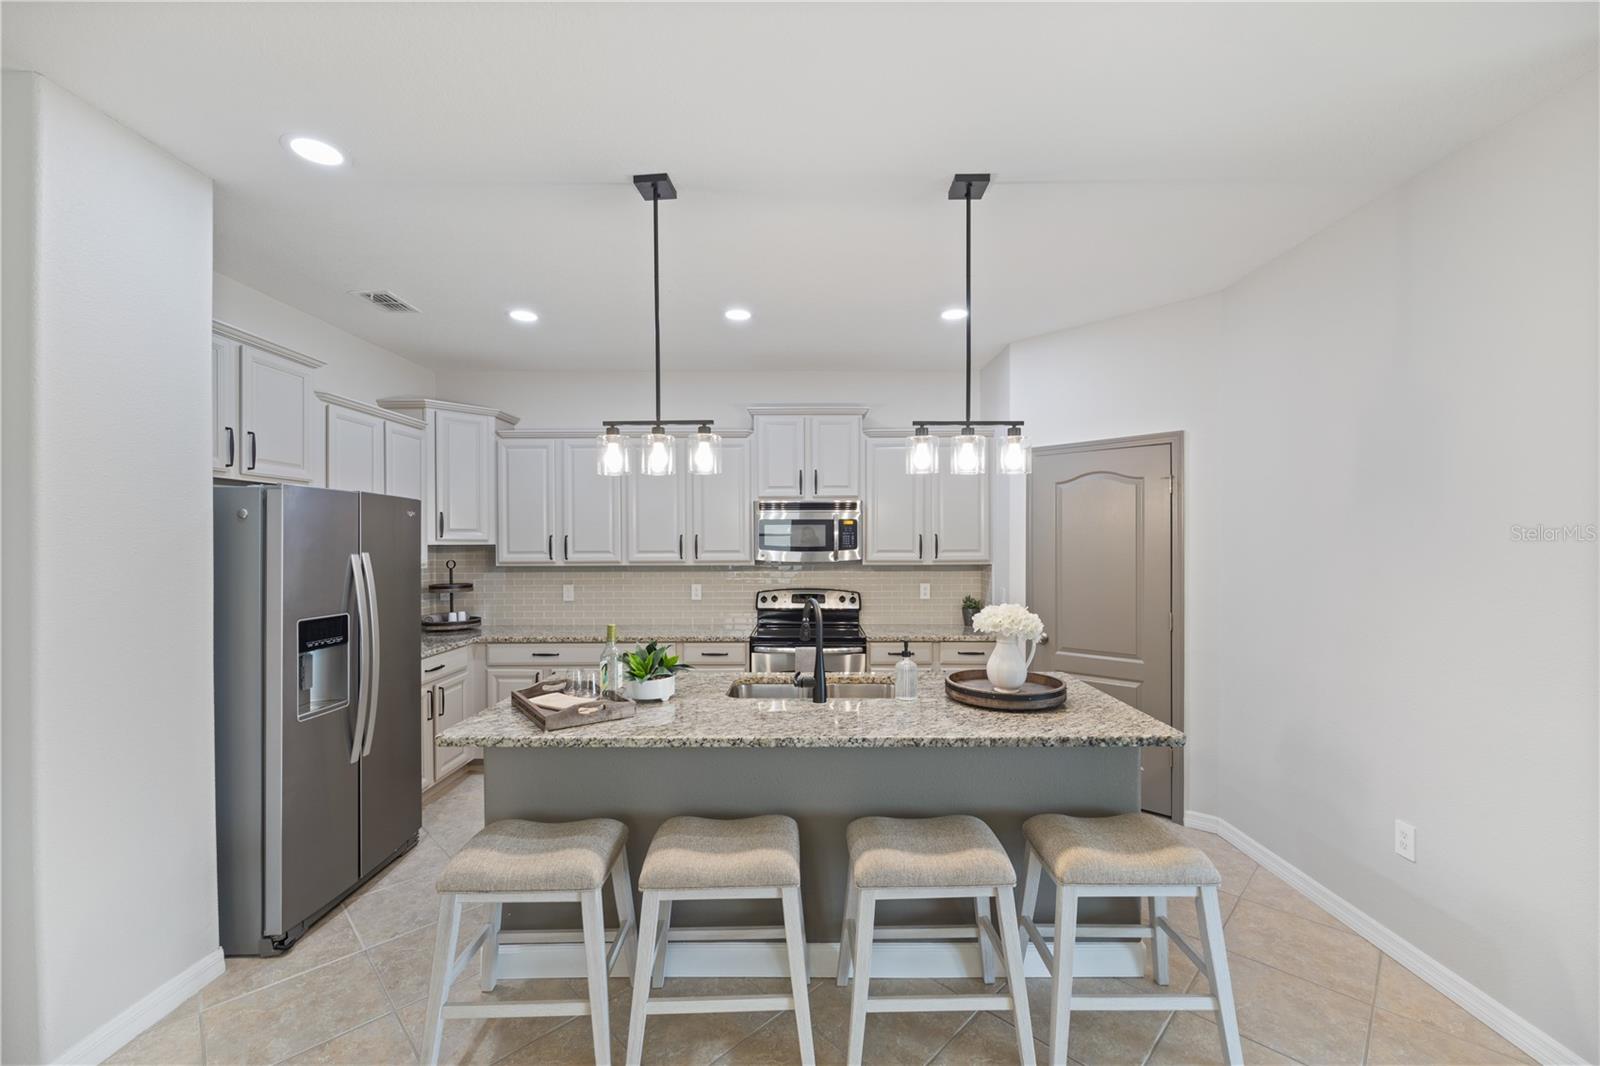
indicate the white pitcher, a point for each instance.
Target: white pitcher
{"x":1008,"y":666}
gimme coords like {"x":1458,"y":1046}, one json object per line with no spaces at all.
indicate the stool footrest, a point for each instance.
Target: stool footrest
{"x":1142,"y":1002}
{"x":717,"y":1004}
{"x":542,"y":1008}
{"x":917,"y":1004}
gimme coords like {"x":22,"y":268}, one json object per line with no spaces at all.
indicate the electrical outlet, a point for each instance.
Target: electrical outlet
{"x":694,"y":592}
{"x":567,"y":595}
{"x":925,"y":590}
{"x":1405,"y":840}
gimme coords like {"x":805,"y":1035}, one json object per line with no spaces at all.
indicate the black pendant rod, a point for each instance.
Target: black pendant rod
{"x":969,"y":304}
{"x":655,"y":266}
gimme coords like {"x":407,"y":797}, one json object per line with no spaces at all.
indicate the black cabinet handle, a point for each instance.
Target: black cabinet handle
{"x":697,"y":545}
{"x":544,"y":654}
{"x":680,"y":545}
{"x":565,"y":537}
{"x":813,"y":481}
{"x":715,"y":654}
{"x":434,"y":669}
{"x":936,"y":545}
{"x":550,"y":547}
{"x":441,"y":525}
{"x":800,"y":482}
{"x":969,"y":653}
{"x":252,"y":435}
{"x":919,"y":545}
{"x":431,"y":691}
{"x":229,"y":431}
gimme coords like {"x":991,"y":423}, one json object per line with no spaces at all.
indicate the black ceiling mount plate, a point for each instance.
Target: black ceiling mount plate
{"x":964,"y":186}
{"x":658,"y":186}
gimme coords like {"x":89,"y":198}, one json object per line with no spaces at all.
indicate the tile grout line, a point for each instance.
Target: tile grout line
{"x":959,"y":1029}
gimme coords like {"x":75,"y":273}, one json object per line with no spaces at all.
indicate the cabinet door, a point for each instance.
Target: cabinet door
{"x":895,"y":506}
{"x":655,"y":525}
{"x":958,"y":517}
{"x":463,"y":500}
{"x":503,"y":683}
{"x":275,"y":413}
{"x":355,"y":450}
{"x":529,"y":525}
{"x":429,"y":701}
{"x":591,"y":507}
{"x":722,"y":509}
{"x":834,"y":454}
{"x":224,"y":405}
{"x":781,"y":456}
{"x":403,"y":454}
{"x":450,"y":708}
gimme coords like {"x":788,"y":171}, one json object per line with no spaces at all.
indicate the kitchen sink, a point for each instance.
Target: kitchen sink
{"x":837,"y":690}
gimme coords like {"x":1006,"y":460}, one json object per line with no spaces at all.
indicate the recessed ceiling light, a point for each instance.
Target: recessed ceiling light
{"x":314,"y":151}
{"x":522,"y":314}
{"x":736,"y":314}
{"x":953,"y":314}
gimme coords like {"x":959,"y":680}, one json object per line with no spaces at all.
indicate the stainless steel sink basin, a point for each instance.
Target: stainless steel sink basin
{"x":842,"y":690}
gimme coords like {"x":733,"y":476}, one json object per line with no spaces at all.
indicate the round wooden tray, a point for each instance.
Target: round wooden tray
{"x":1040,"y":692}
{"x":435,"y":623}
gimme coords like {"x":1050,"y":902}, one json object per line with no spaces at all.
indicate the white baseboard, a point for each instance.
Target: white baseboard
{"x":162,"y":1001}
{"x":1468,"y":996}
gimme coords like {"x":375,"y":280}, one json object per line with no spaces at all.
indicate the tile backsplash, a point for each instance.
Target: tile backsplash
{"x":659,"y":595}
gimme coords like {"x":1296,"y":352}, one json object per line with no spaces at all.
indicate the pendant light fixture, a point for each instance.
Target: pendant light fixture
{"x":658,"y":454}
{"x":969,"y":449}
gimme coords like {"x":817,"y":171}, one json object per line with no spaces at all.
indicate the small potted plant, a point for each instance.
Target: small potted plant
{"x":650,"y":673}
{"x":970,"y":605}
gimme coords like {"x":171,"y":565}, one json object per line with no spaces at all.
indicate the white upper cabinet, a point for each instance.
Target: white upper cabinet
{"x":808,"y":453}
{"x":355,"y":449}
{"x":529,"y":521}
{"x":929,"y":518}
{"x":224,"y":405}
{"x":958,"y":517}
{"x":722,"y":510}
{"x":655,"y":526}
{"x":591,"y":506}
{"x":275,"y":413}
{"x":405,"y":455}
{"x":459,"y":489}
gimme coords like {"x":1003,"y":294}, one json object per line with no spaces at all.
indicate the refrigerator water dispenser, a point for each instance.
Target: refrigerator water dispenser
{"x":324,"y":665}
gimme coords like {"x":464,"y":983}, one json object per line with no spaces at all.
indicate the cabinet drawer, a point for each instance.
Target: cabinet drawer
{"x":715,"y":653}
{"x":543,"y":654}
{"x":887,"y":653}
{"x":965,"y":652}
{"x":435,"y":667}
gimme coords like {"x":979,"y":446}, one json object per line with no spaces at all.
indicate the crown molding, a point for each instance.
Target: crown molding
{"x":367,"y":409}
{"x":423,"y":403}
{"x":244,"y":336}
{"x":807,"y":409}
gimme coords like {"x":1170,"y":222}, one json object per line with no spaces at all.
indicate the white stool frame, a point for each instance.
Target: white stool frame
{"x":656,"y":923}
{"x":447,"y":965}
{"x":855,"y":952}
{"x":1212,"y":960}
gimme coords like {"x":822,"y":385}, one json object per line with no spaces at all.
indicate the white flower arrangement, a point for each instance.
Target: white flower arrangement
{"x":1008,"y":620}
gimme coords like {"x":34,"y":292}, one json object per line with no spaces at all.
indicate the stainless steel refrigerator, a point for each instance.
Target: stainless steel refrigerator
{"x":317,"y":658}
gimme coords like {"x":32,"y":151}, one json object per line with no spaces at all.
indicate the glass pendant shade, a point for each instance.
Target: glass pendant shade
{"x":1015,"y":455}
{"x":922,"y":452}
{"x":968,"y":452}
{"x":657,"y":458}
{"x":705,"y":452}
{"x":612,"y":458}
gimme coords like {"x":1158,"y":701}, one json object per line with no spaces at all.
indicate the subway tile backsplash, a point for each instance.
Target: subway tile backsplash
{"x":648,"y":596}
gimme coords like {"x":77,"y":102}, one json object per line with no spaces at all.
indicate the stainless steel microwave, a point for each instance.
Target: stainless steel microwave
{"x":808,"y":531}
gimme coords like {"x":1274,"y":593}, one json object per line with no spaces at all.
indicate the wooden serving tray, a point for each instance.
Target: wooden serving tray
{"x":591,"y":713}
{"x":1041,"y":692}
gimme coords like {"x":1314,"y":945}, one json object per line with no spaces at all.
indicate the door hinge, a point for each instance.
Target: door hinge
{"x":1169,"y":621}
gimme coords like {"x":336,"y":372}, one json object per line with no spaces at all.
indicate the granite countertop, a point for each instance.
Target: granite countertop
{"x":923,"y":631}
{"x":435,"y":643}
{"x":702,"y":715}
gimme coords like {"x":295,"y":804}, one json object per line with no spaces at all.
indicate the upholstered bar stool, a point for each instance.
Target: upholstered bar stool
{"x":954,"y":857}
{"x":728,"y":859}
{"x":1129,"y":855}
{"x":516,"y":861}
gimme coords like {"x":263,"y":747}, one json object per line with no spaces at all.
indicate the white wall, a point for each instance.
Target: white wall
{"x":109,"y":837}
{"x":1368,"y":418}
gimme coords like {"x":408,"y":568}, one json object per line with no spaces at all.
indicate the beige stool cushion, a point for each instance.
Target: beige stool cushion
{"x":956,"y":851}
{"x":760,"y":852}
{"x":1124,"y":849}
{"x":520,"y":856}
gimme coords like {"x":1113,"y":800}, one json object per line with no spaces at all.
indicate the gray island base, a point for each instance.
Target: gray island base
{"x":710,"y":755}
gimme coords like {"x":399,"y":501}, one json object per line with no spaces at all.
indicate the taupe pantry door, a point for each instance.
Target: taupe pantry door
{"x":1101,"y":568}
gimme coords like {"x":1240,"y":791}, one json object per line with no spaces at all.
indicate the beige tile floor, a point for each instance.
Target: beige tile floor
{"x":353,"y":992}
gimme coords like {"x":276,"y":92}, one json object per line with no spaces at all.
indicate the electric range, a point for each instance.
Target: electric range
{"x":784,"y":623}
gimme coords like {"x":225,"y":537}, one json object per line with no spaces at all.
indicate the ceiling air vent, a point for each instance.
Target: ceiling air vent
{"x":386,"y":300}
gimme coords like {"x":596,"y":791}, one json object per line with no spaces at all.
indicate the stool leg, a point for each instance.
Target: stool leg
{"x":1061,"y":983}
{"x":1011,"y":941}
{"x":444,"y":953}
{"x":981,"y":910}
{"x":866,"y":907}
{"x":1030,"y":884}
{"x":650,"y":908}
{"x":845,"y":928}
{"x":594,"y":963}
{"x":622,"y":893}
{"x":1158,"y":939}
{"x":658,"y":975}
{"x":1216,"y":954}
{"x":799,"y":979}
{"x":489,"y":960}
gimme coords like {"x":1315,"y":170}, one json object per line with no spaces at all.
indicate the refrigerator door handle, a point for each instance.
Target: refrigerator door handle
{"x":364,"y":655}
{"x":376,"y":644}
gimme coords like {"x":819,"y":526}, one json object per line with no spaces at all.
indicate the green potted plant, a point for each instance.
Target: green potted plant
{"x":970,"y":605}
{"x":649,"y":673}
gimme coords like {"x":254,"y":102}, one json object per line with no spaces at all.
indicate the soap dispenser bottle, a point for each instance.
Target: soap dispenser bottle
{"x":905,"y":674}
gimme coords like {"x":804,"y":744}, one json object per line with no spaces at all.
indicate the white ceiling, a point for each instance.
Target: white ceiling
{"x":1142,"y":153}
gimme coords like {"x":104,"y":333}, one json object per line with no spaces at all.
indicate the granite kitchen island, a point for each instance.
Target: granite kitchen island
{"x":709,"y":754}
